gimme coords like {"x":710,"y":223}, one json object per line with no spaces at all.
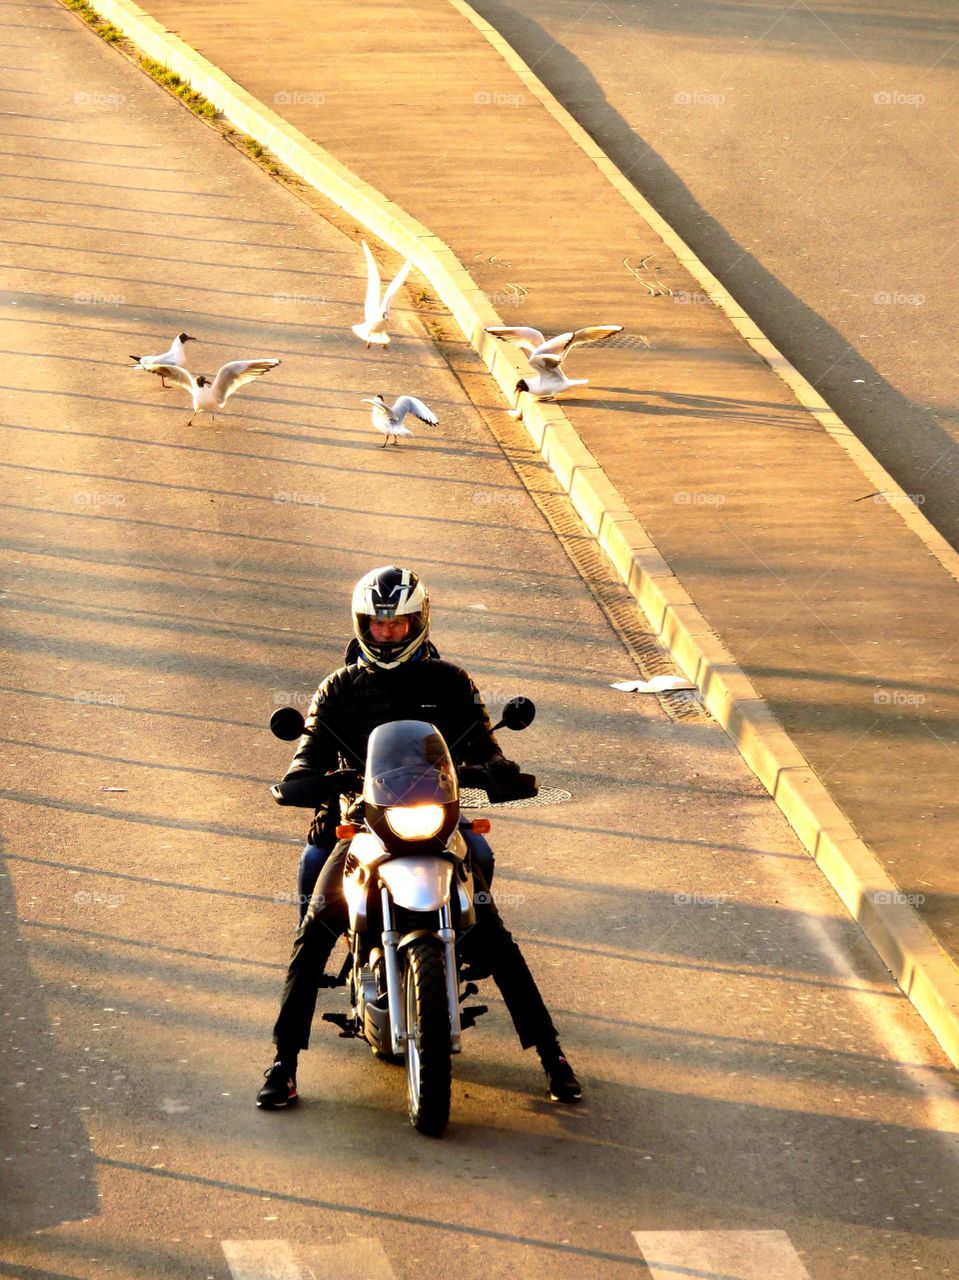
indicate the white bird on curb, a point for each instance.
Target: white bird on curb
{"x":546,"y":358}
{"x":376,"y":309}
{"x":390,"y":420}
{"x":176,"y":355}
{"x":211,"y":394}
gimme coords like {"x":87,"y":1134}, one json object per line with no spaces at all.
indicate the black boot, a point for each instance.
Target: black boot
{"x":279,"y":1090}
{"x":563,"y":1085}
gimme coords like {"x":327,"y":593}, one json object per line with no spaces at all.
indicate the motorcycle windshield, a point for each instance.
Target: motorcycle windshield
{"x":408,"y":763}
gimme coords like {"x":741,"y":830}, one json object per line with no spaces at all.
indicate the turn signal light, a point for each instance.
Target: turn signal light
{"x":480,"y":825}
{"x":346,"y":831}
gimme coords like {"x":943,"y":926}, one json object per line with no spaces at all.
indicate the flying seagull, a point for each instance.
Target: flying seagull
{"x":390,"y":421}
{"x":546,"y":358}
{"x":211,"y":394}
{"x":176,"y":355}
{"x":376,"y":310}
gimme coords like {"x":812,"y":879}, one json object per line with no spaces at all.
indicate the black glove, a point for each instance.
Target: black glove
{"x":507,"y":782}
{"x":502,"y":772}
{"x":310,"y":790}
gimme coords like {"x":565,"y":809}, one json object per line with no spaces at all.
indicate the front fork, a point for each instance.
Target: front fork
{"x":391,"y":938}
{"x":448,"y":939}
{"x":392,"y":965}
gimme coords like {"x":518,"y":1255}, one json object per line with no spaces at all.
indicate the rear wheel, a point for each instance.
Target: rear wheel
{"x":428,"y":1054}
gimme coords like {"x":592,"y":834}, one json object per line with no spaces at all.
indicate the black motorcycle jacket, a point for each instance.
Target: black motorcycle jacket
{"x":354,"y":700}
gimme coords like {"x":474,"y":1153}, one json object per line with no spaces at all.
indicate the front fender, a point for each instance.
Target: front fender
{"x":418,"y":883}
{"x":415,"y":935}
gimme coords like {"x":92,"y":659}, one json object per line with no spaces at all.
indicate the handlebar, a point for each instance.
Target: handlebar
{"x":311,"y":790}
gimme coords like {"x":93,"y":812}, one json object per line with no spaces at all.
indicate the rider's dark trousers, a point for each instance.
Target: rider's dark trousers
{"x":488,"y":948}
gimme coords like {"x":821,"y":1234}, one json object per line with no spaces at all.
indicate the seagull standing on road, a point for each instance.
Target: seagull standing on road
{"x":546,"y":358}
{"x":390,"y":421}
{"x":211,"y":394}
{"x":176,"y":355}
{"x":376,"y":309}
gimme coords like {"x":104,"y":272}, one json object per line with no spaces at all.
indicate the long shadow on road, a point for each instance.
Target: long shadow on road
{"x":47,"y":1171}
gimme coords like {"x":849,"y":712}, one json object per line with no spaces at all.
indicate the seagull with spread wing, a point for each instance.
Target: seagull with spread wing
{"x":546,"y":358}
{"x":390,"y":420}
{"x":176,"y":355}
{"x":376,"y":308}
{"x":211,"y":394}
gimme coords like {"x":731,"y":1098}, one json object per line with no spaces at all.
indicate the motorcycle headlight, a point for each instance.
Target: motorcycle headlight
{"x":416,"y":822}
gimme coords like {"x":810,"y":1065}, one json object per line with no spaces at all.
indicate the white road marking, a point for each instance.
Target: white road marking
{"x":354,"y":1259}
{"x":262,"y":1260}
{"x":720,"y":1255}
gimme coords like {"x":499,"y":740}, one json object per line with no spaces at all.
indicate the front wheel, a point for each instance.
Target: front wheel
{"x":429,"y":1075}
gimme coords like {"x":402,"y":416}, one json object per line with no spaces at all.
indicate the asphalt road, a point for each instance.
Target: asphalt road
{"x":807,"y":152}
{"x":749,"y":1066}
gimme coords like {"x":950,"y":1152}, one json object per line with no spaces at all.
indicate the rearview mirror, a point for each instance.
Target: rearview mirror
{"x":519,"y":713}
{"x":287,"y":723}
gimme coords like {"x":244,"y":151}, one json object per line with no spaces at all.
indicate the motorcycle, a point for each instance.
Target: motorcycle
{"x":410,"y":895}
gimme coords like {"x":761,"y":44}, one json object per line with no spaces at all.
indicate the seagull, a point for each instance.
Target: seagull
{"x":390,"y":421}
{"x":211,"y":394}
{"x":174,"y":356}
{"x":376,"y":310}
{"x":547,"y":358}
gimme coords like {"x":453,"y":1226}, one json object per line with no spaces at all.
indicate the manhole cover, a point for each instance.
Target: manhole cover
{"x":628,"y":342}
{"x":473,"y":798}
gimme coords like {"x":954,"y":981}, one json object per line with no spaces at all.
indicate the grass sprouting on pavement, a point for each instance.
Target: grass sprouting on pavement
{"x":106,"y":30}
{"x":170,"y":80}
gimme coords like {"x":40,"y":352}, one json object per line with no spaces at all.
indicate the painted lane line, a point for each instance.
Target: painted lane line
{"x":720,"y":1255}
{"x":262,"y":1260}
{"x":355,"y":1259}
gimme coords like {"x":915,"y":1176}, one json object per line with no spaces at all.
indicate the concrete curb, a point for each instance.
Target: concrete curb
{"x":907,"y":946}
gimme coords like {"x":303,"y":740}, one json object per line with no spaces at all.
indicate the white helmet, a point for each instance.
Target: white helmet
{"x":391,"y":593}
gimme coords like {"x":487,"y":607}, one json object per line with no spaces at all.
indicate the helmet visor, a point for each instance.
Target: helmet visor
{"x":387,"y":638}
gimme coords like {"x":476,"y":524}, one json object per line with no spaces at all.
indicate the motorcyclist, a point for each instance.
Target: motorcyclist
{"x":397,"y":679}
{"x":322,"y":834}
